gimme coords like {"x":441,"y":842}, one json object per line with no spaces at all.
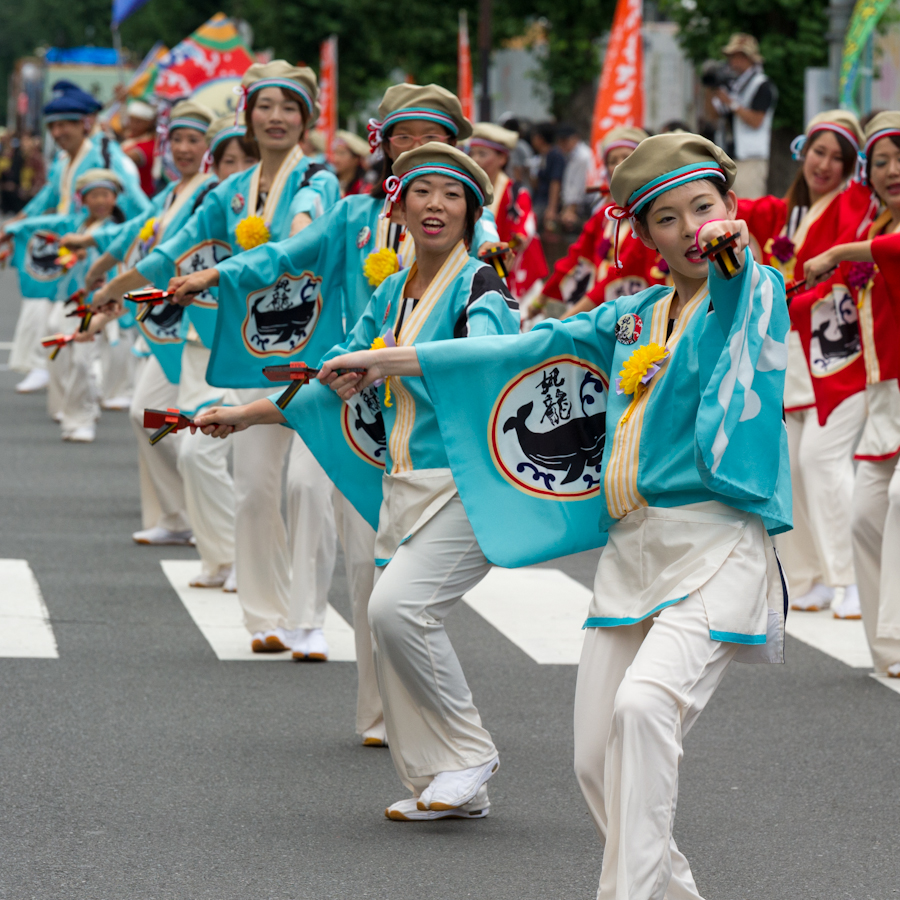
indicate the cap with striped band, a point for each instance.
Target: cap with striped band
{"x":799,"y":142}
{"x":286,"y":84}
{"x":393,"y":186}
{"x":226,"y":134}
{"x":878,"y":135}
{"x":186,"y":122}
{"x":377,"y":129}
{"x":100,"y":183}
{"x":491,"y":145}
{"x":650,"y":191}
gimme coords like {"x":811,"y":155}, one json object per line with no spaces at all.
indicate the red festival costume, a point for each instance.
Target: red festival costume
{"x":589,"y":269}
{"x":516,"y":226}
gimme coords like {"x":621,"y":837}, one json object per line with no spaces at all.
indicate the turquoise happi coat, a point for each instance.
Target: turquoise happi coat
{"x":300,"y":186}
{"x":166,"y":326}
{"x":547,"y":455}
{"x":335,"y":248}
{"x":58,"y":192}
{"x":357,"y":441}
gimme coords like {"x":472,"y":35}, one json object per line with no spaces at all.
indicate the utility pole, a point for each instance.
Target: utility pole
{"x":485,"y":10}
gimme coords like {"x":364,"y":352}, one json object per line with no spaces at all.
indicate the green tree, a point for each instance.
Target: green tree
{"x":791,"y":34}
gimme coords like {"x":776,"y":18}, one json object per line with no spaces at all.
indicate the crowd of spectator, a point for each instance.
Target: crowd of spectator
{"x":22,"y":170}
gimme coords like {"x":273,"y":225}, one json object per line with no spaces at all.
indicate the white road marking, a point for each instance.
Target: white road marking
{"x":843,"y":639}
{"x":219,"y":617}
{"x":25,"y":629}
{"x":540,"y":610}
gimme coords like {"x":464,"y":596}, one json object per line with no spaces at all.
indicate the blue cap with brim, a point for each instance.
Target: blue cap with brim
{"x":70,"y":103}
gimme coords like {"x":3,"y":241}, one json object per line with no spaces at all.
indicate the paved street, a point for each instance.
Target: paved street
{"x":142,"y":761}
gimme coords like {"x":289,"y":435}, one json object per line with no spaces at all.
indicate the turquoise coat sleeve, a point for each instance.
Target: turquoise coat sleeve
{"x":322,"y":192}
{"x":208,"y":222}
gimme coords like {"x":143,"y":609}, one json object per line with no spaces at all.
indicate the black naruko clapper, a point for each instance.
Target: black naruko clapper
{"x":721,"y":251}
{"x":165,"y":421}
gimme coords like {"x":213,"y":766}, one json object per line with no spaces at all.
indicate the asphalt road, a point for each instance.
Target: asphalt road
{"x":137,"y":765}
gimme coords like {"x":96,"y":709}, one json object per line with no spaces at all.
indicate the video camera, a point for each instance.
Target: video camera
{"x":716,"y":74}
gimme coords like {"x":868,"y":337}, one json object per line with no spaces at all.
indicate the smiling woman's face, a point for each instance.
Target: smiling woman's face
{"x":277,"y":119}
{"x":673,"y":221}
{"x":435,"y":210}
{"x":823,"y":164}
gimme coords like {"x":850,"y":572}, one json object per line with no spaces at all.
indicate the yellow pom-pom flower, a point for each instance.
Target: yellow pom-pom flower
{"x":638,"y":366}
{"x":380,"y":344}
{"x":148,"y":230}
{"x":380,"y":264}
{"x":251,"y":232}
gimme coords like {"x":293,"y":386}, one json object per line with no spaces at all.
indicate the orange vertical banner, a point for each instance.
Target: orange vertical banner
{"x":620,"y":97}
{"x":328,"y":91}
{"x":464,"y":68}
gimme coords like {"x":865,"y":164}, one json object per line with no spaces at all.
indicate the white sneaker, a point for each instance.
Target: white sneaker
{"x":230,"y":586}
{"x":376,"y":736}
{"x":316,"y":646}
{"x":849,"y":607}
{"x":269,"y":642}
{"x":450,"y":790}
{"x":163,"y":537}
{"x":894,"y":671}
{"x":408,"y":811}
{"x":117,"y":403}
{"x":819,"y":597}
{"x":211,"y":580}
{"x":83,"y":435}
{"x":35,"y":380}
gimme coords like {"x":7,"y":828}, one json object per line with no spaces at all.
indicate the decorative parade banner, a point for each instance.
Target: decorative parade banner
{"x":464,"y":68}
{"x":865,"y":17}
{"x":620,"y":97}
{"x":328,"y":91}
{"x":215,"y":50}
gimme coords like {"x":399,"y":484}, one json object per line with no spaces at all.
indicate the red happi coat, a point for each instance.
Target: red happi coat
{"x":589,"y":268}
{"x":823,"y":346}
{"x":516,"y":225}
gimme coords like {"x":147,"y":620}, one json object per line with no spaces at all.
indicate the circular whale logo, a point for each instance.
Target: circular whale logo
{"x":834,"y":333}
{"x":548,"y":427}
{"x":41,"y":252}
{"x":204,"y":256}
{"x":281,"y":318}
{"x":363,"y":426}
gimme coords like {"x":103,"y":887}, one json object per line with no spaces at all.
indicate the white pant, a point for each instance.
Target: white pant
{"x":31,"y":327}
{"x":209,"y":497}
{"x":640,"y":688}
{"x":117,"y":362}
{"x":72,"y":390}
{"x":271,"y":595}
{"x":358,"y":540}
{"x":819,"y":549}
{"x":431,"y":721}
{"x":161,"y":485}
{"x":876,"y":548}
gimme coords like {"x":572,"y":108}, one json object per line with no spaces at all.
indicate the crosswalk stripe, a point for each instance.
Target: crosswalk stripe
{"x":25,"y":629}
{"x":540,"y":610}
{"x":219,"y":617}
{"x":841,"y":639}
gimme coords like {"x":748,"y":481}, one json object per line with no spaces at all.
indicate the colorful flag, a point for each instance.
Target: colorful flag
{"x":328,"y":91}
{"x":866,"y":15}
{"x":464,"y":69}
{"x":215,"y":50}
{"x":122,"y":9}
{"x":620,"y":97}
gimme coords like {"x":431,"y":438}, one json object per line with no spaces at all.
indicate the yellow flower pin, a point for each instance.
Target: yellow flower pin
{"x":380,"y":264}
{"x":147,"y":230}
{"x":251,"y":232}
{"x":637,"y":371}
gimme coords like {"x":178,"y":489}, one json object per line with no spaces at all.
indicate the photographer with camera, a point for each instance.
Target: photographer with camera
{"x":743,"y":102}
